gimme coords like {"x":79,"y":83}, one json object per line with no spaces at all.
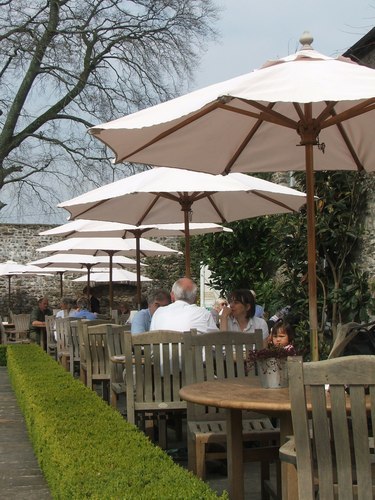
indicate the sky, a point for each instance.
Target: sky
{"x":253,"y":31}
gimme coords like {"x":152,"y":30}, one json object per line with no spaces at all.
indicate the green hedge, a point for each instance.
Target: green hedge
{"x":84,"y":447}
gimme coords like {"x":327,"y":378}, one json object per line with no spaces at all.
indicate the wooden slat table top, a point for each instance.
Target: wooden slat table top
{"x":239,"y":393}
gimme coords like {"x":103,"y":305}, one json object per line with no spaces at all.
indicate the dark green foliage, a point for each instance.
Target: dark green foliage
{"x":269,"y":255}
{"x":3,"y":355}
{"x":84,"y":447}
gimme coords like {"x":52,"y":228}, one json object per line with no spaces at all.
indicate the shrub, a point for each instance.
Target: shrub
{"x":84,"y":447}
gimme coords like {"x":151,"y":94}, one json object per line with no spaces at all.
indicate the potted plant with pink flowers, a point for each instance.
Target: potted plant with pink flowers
{"x":270,"y":364}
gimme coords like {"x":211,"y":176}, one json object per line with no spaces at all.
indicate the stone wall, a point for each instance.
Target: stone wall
{"x":19,"y":243}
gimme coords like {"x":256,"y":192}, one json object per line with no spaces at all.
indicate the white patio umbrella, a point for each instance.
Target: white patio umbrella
{"x":83,"y":228}
{"x":11,"y":268}
{"x":152,"y":197}
{"x":100,"y":246}
{"x":254,"y":122}
{"x":79,"y":263}
{"x":59,"y":271}
{"x":117,"y":276}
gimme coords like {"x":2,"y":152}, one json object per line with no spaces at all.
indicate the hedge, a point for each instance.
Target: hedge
{"x":84,"y":447}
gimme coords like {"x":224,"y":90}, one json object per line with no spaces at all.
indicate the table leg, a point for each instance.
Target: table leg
{"x":235,"y":455}
{"x":288,"y":471}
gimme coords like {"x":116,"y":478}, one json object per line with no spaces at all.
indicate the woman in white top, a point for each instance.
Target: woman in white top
{"x":240,"y":315}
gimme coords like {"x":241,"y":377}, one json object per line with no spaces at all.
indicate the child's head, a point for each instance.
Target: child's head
{"x":282,"y":333}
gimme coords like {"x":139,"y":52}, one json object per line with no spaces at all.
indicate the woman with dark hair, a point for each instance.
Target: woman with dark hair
{"x":240,"y":315}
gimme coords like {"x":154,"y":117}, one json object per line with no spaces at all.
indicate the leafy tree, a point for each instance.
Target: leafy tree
{"x":269,"y":254}
{"x":67,"y":64}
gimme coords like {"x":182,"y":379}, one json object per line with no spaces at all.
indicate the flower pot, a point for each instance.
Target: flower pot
{"x":273,"y":373}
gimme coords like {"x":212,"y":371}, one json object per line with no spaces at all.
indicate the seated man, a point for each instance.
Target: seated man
{"x":183,"y":314}
{"x":37,"y":320}
{"x":142,"y":319}
{"x":82,"y":311}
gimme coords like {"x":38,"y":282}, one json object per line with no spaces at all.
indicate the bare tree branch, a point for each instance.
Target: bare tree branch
{"x":67,"y":65}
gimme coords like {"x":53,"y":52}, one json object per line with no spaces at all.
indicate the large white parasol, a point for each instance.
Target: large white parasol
{"x":255,"y":123}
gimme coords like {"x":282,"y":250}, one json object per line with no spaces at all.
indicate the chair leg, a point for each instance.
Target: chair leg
{"x":200,"y":459}
{"x":113,"y":399}
{"x":162,"y":427}
{"x":264,"y":476}
{"x":191,"y":454}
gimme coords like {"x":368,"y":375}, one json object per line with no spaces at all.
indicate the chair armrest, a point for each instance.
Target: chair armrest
{"x":287,"y":452}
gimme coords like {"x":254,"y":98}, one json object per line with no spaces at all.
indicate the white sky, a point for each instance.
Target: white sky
{"x":253,"y":31}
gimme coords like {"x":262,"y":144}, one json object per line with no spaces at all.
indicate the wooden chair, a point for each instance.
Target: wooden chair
{"x":346,"y":333}
{"x":51,"y":335}
{"x":62,"y":326}
{"x":96,"y":356}
{"x":114,"y":316}
{"x":334,"y":451}
{"x":21,"y":327}
{"x":154,"y":374}
{"x":222,"y":355}
{"x":73,"y":344}
{"x":4,"y":336}
{"x":116,"y":348}
{"x":81,"y":343}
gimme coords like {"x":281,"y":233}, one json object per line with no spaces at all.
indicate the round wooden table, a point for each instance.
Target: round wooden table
{"x":244,"y":394}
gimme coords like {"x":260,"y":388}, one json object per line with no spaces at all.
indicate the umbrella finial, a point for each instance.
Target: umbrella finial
{"x":306,"y":40}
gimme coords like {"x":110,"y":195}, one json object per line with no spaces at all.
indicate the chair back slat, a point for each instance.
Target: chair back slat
{"x":21,"y":325}
{"x":217,"y":355}
{"x":153,"y":371}
{"x":51,"y":334}
{"x":116,"y":347}
{"x":335,"y":452}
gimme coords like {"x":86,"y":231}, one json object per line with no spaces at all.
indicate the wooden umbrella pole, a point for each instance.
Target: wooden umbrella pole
{"x":60,"y":273}
{"x":110,"y":253}
{"x":138,"y":259}
{"x":88,"y":286}
{"x":186,"y":210}
{"x":9,"y":304}
{"x":311,"y":254}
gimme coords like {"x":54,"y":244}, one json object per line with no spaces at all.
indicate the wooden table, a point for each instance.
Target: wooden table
{"x":244,"y":394}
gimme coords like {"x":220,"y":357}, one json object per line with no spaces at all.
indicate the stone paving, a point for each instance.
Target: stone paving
{"x":20,"y":475}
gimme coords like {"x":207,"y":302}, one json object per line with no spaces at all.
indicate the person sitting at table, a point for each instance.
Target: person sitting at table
{"x":240,"y":315}
{"x":37,"y":320}
{"x":123,"y":312}
{"x":259,"y":310}
{"x":94,"y":301}
{"x":82,"y":311}
{"x":217,"y":308}
{"x":282,"y":334}
{"x":142,"y":319}
{"x":183,"y":313}
{"x":66,"y":305}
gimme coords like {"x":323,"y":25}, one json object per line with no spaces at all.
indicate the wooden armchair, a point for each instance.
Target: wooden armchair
{"x":62,"y":326}
{"x":21,"y":327}
{"x":51,"y":335}
{"x":81,"y":344}
{"x":222,"y":355}
{"x":334,"y":451}
{"x":73,"y":344}
{"x":116,"y":348}
{"x":154,"y":374}
{"x":96,"y":356}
